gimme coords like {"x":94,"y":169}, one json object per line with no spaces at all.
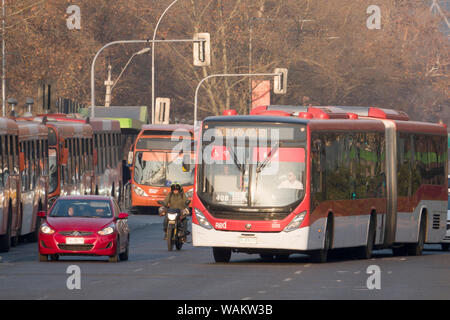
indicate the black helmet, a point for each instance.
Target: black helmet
{"x":176,"y":186}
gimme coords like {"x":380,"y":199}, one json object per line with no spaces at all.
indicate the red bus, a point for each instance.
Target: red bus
{"x":311,"y":179}
{"x":108,"y":171}
{"x":9,"y":183}
{"x":156,"y":163}
{"x":71,"y":159}
{"x":33,"y":144}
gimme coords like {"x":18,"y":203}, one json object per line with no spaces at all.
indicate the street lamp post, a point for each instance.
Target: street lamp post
{"x":153,"y":59}
{"x":123,"y":42}
{"x":226,"y":75}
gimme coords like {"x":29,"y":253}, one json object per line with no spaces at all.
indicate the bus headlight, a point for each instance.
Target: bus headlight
{"x":139,"y":191}
{"x":296,"y":222}
{"x":202,"y":220}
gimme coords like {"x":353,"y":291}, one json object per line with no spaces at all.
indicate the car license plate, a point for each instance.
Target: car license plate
{"x":247,"y":240}
{"x":74,"y":240}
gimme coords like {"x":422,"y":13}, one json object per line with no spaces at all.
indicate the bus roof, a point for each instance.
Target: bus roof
{"x":8,"y":126}
{"x":71,"y":129}
{"x":168,"y":127}
{"x":100,"y":125}
{"x":29,"y":130}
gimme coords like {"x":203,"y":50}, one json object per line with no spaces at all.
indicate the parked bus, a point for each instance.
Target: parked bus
{"x":9,"y":183}
{"x":310,"y":179}
{"x":156,"y":162}
{"x":71,"y":159}
{"x":33,"y":144}
{"x":108,"y":143}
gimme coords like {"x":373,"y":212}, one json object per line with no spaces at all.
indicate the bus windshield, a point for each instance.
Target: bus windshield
{"x":266,"y":170}
{"x":161,"y":169}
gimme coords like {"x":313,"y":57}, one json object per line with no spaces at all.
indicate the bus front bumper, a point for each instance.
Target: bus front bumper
{"x":296,"y":240}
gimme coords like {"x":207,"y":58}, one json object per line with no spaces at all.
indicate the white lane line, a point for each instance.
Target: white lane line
{"x":298,"y":272}
{"x":261,"y":292}
{"x":246,"y":298}
{"x":170,"y":258}
{"x":287,"y":279}
{"x":155,"y":263}
{"x":307,"y":265}
{"x":138,"y":270}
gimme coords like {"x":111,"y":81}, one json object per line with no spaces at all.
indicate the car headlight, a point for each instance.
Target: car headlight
{"x":46,"y":229}
{"x":202,"y":220}
{"x":296,"y":222}
{"x":106,"y":231}
{"x":139,"y":191}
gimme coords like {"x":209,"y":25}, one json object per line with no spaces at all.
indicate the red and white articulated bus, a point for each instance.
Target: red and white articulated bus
{"x":156,"y":163}
{"x":311,"y":179}
{"x":9,"y":183}
{"x":33,"y":144}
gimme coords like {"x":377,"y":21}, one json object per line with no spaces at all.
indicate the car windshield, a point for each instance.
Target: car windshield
{"x":82,"y":208}
{"x":161,"y":169}
{"x":262,"y":169}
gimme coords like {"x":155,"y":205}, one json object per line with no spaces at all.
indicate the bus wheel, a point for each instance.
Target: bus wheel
{"x":445,"y":246}
{"x":399,"y":251}
{"x":266,"y":257}
{"x":365,"y":252}
{"x":222,"y":255}
{"x":321,"y":256}
{"x":415,"y":249}
{"x":5,"y":240}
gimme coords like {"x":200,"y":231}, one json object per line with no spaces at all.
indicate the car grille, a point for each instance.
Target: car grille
{"x":75,"y":247}
{"x":75,"y":233}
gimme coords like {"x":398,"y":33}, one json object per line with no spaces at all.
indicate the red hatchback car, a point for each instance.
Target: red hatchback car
{"x":84,"y":225}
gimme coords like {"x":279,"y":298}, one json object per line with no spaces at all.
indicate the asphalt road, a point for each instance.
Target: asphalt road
{"x":152,"y":272}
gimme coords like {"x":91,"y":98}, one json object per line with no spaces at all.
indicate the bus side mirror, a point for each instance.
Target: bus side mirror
{"x":130,"y":158}
{"x":186,"y":166}
{"x":64,"y":156}
{"x":21,"y":161}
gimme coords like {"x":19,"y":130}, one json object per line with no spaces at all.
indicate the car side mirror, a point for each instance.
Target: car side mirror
{"x":42,"y":214}
{"x":123,"y":215}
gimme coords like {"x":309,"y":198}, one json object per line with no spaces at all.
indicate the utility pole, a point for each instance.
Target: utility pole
{"x":3,"y":62}
{"x":108,"y":84}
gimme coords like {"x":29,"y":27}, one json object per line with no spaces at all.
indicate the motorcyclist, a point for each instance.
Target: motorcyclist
{"x":176,"y":199}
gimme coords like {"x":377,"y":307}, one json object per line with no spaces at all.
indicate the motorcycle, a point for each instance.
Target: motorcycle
{"x":176,"y":235}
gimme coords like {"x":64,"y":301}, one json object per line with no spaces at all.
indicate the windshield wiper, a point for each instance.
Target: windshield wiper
{"x":263,"y":164}
{"x":241,"y":167}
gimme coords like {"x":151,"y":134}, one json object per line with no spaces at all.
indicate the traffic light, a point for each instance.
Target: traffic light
{"x":202,"y":49}
{"x":280,"y":81}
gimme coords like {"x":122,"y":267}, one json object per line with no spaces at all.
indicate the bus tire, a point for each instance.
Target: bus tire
{"x":34,"y":236}
{"x":5,"y":240}
{"x":266,"y":257}
{"x":415,"y":249}
{"x":222,"y":255}
{"x":321,"y":256}
{"x":445,"y":246}
{"x":365,"y":252}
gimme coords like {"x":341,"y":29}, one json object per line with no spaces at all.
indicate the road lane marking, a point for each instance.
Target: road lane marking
{"x":287,"y":279}
{"x":298,"y":272}
{"x":261,"y":292}
{"x":138,"y":270}
{"x":155,"y":263}
{"x":246,"y":298}
{"x":307,"y":265}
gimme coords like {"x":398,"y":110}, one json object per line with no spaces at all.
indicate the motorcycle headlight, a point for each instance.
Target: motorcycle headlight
{"x":202,"y":220}
{"x":139,"y":191}
{"x":296,"y":222}
{"x":190,"y":193}
{"x":45,"y":229}
{"x":106,"y":231}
